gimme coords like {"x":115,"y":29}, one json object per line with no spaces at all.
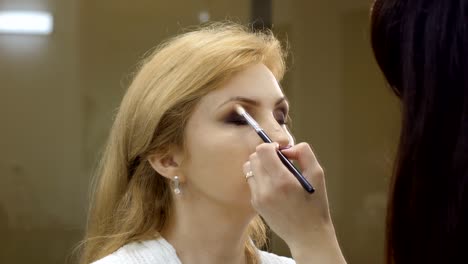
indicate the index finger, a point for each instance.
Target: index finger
{"x":303,"y":153}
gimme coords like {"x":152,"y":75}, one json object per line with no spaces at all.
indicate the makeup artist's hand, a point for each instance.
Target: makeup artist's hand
{"x":301,"y":219}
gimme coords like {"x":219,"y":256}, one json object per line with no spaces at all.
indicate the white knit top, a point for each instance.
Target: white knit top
{"x":159,"y":251}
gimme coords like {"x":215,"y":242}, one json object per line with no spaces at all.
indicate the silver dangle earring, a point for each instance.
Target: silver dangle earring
{"x":176,"y":185}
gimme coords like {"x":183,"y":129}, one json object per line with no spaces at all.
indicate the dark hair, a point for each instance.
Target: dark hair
{"x":422,"y":48}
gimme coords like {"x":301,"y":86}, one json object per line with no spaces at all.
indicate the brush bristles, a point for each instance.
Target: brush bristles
{"x":240,"y":110}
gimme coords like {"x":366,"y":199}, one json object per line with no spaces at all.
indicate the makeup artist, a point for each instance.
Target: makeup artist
{"x":421,"y":47}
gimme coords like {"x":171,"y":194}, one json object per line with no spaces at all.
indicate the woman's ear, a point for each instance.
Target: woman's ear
{"x":167,"y":165}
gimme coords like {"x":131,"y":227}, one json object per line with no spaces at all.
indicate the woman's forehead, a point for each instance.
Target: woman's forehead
{"x":256,"y":83}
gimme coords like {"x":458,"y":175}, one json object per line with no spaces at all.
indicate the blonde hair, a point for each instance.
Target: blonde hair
{"x":131,"y":202}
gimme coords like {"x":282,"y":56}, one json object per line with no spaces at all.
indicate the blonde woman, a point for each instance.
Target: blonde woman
{"x":171,"y":186}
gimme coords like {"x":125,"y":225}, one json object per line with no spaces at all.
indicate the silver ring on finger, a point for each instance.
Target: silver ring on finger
{"x":248,"y":175}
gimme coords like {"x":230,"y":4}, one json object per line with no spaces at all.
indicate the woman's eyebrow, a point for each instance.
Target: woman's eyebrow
{"x":250,"y":101}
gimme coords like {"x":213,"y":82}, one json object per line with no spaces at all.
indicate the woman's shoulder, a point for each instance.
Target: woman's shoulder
{"x":156,"y":251}
{"x":270,"y":258}
{"x":112,"y":258}
{"x":159,"y":251}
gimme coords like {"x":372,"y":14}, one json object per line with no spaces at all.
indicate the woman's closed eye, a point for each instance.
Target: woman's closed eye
{"x":238,"y":120}
{"x":281,"y":117}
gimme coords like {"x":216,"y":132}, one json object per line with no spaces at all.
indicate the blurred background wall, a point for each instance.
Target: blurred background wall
{"x":59,"y":93}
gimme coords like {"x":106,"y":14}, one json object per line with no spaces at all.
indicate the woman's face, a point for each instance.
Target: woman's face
{"x":219,"y":141}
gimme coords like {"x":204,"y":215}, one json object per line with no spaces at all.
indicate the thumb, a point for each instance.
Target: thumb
{"x":303,"y":154}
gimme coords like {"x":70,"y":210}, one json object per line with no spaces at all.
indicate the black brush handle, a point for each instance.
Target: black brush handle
{"x":295,"y":171}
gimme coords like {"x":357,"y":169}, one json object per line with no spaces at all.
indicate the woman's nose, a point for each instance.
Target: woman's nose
{"x":279,"y":133}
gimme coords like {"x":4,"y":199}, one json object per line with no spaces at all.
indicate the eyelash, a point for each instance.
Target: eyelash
{"x":238,"y":120}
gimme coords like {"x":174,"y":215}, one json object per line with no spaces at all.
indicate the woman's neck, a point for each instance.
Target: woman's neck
{"x":208,"y":233}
